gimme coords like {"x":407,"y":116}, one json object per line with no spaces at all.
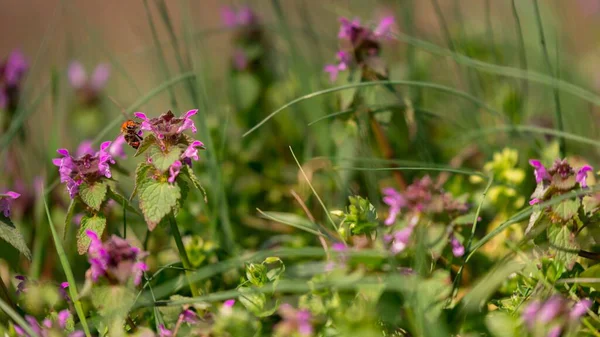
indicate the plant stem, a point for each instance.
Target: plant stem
{"x":5,"y":294}
{"x":10,"y":312}
{"x":182,"y":254}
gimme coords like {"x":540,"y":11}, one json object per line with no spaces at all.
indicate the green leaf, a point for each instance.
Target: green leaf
{"x":274,"y":273}
{"x":184,"y":187}
{"x":162,"y":161}
{"x":10,"y":234}
{"x":157,"y":199}
{"x":566,"y":209}
{"x":591,"y":272}
{"x":93,"y":195}
{"x":347,"y":96}
{"x":501,"y":324}
{"x":562,"y":239}
{"x":590,"y":204}
{"x":113,"y":304}
{"x":95,"y":223}
{"x":69,"y":217}
{"x":533,"y":218}
{"x":465,"y":219}
{"x":121,"y":200}
{"x":189,"y":173}
{"x":255,"y":302}
{"x":247,"y":89}
{"x":141,"y":173}
{"x":148,"y":141}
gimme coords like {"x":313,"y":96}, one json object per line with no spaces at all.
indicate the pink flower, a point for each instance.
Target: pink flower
{"x":192,"y":150}
{"x":79,"y":80}
{"x":14,"y":68}
{"x":6,"y":201}
{"x":229,"y":303}
{"x":116,"y":149}
{"x":174,"y":171}
{"x":244,"y":17}
{"x":384,"y":26}
{"x":294,"y":321}
{"x":396,"y":202}
{"x":582,"y":175}
{"x":539,"y":170}
{"x":164,"y":332}
{"x":458,"y":249}
{"x":580,"y":309}
{"x":188,"y":123}
{"x":343,"y":64}
{"x":63,"y":316}
{"x":167,"y":126}
{"x":534,"y":201}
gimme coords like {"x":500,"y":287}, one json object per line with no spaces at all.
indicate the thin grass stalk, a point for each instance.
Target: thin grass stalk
{"x":182,"y":253}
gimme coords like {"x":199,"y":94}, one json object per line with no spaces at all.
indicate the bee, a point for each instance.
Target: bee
{"x":129,"y":130}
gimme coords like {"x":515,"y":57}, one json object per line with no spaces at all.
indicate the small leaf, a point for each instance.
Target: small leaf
{"x":562,"y":240}
{"x":95,"y":223}
{"x":141,"y":173}
{"x":566,"y":209}
{"x":501,"y":324}
{"x":69,"y":217}
{"x":162,"y":161}
{"x":148,"y":141}
{"x":113,"y":304}
{"x":590,"y":204}
{"x":157,"y":199}
{"x":195,"y":181}
{"x":93,"y":195}
{"x":10,"y":234}
{"x":533,"y":218}
{"x":591,"y":272}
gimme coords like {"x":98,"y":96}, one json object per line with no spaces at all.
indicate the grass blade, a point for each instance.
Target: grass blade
{"x":8,"y":310}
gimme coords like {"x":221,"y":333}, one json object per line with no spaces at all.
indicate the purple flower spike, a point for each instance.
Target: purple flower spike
{"x":6,"y":200}
{"x":167,"y":126}
{"x":555,"y":332}
{"x":458,"y":249}
{"x":580,"y":308}
{"x":174,"y":171}
{"x":100,"y":77}
{"x":539,"y":170}
{"x":396,"y":202}
{"x":348,"y":29}
{"x":15,"y":68}
{"x":77,"y":75}
{"x":582,"y":175}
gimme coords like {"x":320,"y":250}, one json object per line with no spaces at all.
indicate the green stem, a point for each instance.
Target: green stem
{"x":4,"y":294}
{"x":182,"y":254}
{"x":64,"y":261}
{"x":557,"y":109}
{"x":10,"y":312}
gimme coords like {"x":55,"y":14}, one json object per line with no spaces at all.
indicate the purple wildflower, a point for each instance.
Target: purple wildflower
{"x":534,"y":201}
{"x":6,"y":200}
{"x":579,"y":309}
{"x":174,"y":171}
{"x":244,"y":17}
{"x":192,"y":150}
{"x":14,"y":68}
{"x":554,"y":332}
{"x":189,"y":316}
{"x":396,"y":202}
{"x":87,"y":168}
{"x":343,"y":63}
{"x":84,"y":148}
{"x":458,"y":249}
{"x":22,"y":285}
{"x":229,"y":303}
{"x":539,"y":170}
{"x":294,"y":321}
{"x":116,"y":148}
{"x":384,"y":27}
{"x":63,"y":316}
{"x":400,"y":239}
{"x":582,"y":175}
{"x":551,"y":309}
{"x":164,"y":332}
{"x":49,"y":327}
{"x":115,"y":259}
{"x":88,"y":89}
{"x":167,"y":126}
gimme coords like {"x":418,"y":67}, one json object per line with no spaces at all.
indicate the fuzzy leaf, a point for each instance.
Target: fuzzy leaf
{"x":141,"y":173}
{"x":255,"y":302}
{"x":95,"y":223}
{"x":162,"y":161}
{"x":157,"y":199}
{"x":563,"y":184}
{"x":93,"y":195}
{"x":189,"y":173}
{"x":10,"y":234}
{"x":591,"y":272}
{"x":113,"y":304}
{"x":148,"y":141}
{"x":533,"y":218}
{"x":69,"y":217}
{"x":184,"y":187}
{"x":590,"y":204}
{"x":562,"y":239}
{"x":566,"y":209}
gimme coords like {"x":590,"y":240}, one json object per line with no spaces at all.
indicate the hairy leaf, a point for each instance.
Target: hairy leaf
{"x":10,"y":234}
{"x":93,"y":195}
{"x":157,"y":199}
{"x":141,"y":173}
{"x":162,"y":161}
{"x":148,"y":141}
{"x":69,"y":217}
{"x":189,"y":173}
{"x":95,"y":223}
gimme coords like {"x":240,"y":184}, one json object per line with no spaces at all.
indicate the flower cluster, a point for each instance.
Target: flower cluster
{"x":293,"y":321}
{"x":554,"y":316}
{"x":559,"y":178}
{"x":87,"y":167}
{"x":6,"y":200}
{"x":249,"y":38}
{"x":115,"y":259}
{"x":49,"y":327}
{"x":360,"y":45}
{"x":12,"y":72}
{"x":422,"y":196}
{"x":88,"y":89}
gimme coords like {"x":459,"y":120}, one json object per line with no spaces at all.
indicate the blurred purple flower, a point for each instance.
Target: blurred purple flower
{"x":396,"y":202}
{"x":49,"y":327}
{"x":458,"y":249}
{"x":63,"y":316}
{"x":164,"y":332}
{"x":294,"y":321}
{"x":116,"y":148}
{"x":552,"y":313}
{"x":244,"y":17}
{"x":116,"y":259}
{"x":85,"y":147}
{"x":167,"y":126}
{"x":384,"y":27}
{"x":87,"y":168}
{"x":399,"y":239}
{"x":580,"y":309}
{"x":6,"y":200}
{"x":78,"y":77}
{"x":582,"y":175}
{"x":14,"y":68}
{"x":22,"y":285}
{"x":229,"y":303}
{"x":534,"y":201}
{"x":343,"y":63}
{"x":189,"y":316}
